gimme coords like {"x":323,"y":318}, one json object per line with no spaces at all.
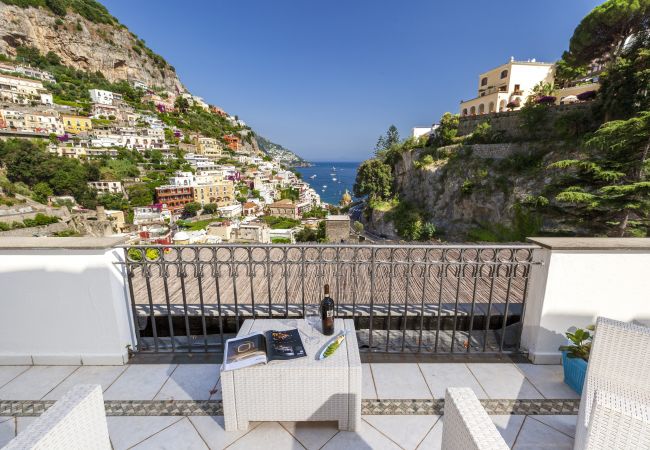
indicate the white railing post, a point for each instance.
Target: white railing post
{"x":581,"y":279}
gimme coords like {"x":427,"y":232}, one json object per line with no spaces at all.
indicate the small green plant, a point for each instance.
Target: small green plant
{"x":580,"y":345}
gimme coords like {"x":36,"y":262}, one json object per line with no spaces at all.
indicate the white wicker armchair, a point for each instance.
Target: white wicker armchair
{"x":76,"y":421}
{"x":618,"y":423}
{"x":619,"y":366}
{"x":466,"y":425}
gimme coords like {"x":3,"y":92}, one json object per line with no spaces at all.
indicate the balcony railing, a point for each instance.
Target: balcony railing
{"x":418,"y":298}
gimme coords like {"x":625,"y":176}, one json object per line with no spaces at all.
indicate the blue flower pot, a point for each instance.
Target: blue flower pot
{"x":575,"y":370}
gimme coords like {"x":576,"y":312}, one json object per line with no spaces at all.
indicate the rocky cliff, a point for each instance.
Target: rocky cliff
{"x":109,"y":48}
{"x":474,"y":192}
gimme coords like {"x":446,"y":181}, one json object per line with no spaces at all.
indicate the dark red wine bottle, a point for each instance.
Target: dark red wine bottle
{"x":327,"y":312}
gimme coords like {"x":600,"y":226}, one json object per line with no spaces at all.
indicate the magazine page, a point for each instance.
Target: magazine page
{"x":284,"y":345}
{"x":245,"y":351}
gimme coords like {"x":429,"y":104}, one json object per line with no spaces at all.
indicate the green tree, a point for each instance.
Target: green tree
{"x":113,"y":201}
{"x":565,"y":72}
{"x":41,"y":191}
{"x":191,"y":209}
{"x":290,"y":193}
{"x":624,"y":85}
{"x":140,"y":194}
{"x":384,"y":143}
{"x":602,"y":33}
{"x":447,"y":130}
{"x":609,"y":188}
{"x":374,"y":179}
{"x":182,"y":104}
{"x":210,"y":208}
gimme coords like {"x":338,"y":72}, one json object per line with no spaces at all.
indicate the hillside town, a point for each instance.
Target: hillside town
{"x":223,"y":190}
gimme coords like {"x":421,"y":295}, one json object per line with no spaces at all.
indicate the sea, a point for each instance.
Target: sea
{"x":330,"y":179}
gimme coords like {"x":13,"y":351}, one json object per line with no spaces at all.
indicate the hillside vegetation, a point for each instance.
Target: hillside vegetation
{"x":581,"y":171}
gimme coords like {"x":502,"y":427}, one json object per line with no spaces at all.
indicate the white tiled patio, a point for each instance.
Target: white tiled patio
{"x":165,"y":383}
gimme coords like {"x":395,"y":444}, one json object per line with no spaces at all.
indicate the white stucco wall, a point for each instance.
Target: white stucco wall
{"x":63,"y":306}
{"x":573,"y":287}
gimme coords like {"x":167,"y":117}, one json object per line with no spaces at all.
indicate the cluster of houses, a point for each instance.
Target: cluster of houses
{"x":508,"y":86}
{"x":239,"y":197}
{"x":239,"y":193}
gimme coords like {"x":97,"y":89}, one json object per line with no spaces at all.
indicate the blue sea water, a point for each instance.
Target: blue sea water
{"x":330,"y":190}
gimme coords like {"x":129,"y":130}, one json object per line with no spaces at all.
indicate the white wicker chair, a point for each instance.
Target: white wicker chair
{"x":617,"y":422}
{"x":76,"y":421}
{"x":619,"y":364}
{"x":466,"y":425}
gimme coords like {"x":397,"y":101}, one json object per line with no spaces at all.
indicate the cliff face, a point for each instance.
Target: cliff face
{"x":477,"y":186}
{"x":83,"y":44}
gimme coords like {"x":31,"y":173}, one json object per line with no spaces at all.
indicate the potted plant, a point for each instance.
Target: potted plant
{"x":575,"y":356}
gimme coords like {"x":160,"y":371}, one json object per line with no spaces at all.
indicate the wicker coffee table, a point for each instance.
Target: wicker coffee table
{"x":302,"y":389}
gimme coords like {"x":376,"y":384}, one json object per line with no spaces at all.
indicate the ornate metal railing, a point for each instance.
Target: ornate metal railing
{"x":403,"y":298}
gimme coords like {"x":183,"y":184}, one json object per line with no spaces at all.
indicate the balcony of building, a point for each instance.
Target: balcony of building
{"x":148,"y":324}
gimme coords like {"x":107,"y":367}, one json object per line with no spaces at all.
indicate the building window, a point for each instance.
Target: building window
{"x":504,"y":73}
{"x":484,"y":82}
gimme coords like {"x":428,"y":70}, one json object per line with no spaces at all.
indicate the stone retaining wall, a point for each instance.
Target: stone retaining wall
{"x":509,"y":122}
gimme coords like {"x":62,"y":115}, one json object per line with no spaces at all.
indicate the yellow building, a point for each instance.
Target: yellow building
{"x":76,"y":124}
{"x":222,"y":193}
{"x":208,"y":147}
{"x":508,"y":84}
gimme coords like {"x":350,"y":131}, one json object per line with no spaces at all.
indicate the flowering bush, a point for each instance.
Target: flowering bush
{"x":545,"y":100}
{"x":587,"y":95}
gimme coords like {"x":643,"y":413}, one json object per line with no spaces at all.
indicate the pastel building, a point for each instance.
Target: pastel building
{"x":221,"y":193}
{"x":508,"y":84}
{"x":76,"y":124}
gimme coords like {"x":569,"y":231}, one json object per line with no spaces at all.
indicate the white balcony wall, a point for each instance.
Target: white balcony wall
{"x":63,"y":301}
{"x":579,"y":280}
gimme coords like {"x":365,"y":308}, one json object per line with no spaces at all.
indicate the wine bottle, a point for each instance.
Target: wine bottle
{"x":327,"y":312}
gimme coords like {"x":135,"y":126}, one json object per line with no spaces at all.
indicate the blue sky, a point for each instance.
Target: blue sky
{"x":326,"y":78}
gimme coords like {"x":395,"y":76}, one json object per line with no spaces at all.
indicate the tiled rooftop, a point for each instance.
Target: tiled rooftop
{"x":178,"y":405}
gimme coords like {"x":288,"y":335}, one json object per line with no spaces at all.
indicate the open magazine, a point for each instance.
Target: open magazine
{"x":260,"y":348}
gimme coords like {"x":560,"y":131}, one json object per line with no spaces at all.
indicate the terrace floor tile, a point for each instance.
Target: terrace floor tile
{"x":8,"y":373}
{"x":139,"y":382}
{"x":190,"y":382}
{"x":508,"y":427}
{"x":407,"y":431}
{"x":400,"y":381}
{"x":179,"y":436}
{"x":125,"y":432}
{"x":7,"y":430}
{"x":503,"y":381}
{"x":268,"y":435}
{"x":35,"y":382}
{"x":366,"y":437}
{"x":563,"y":424}
{"x":536,"y":435}
{"x":548,"y":379}
{"x":311,"y":435}
{"x":368,"y":390}
{"x":212,"y":430}
{"x":102,"y":375}
{"x":440,"y":376}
